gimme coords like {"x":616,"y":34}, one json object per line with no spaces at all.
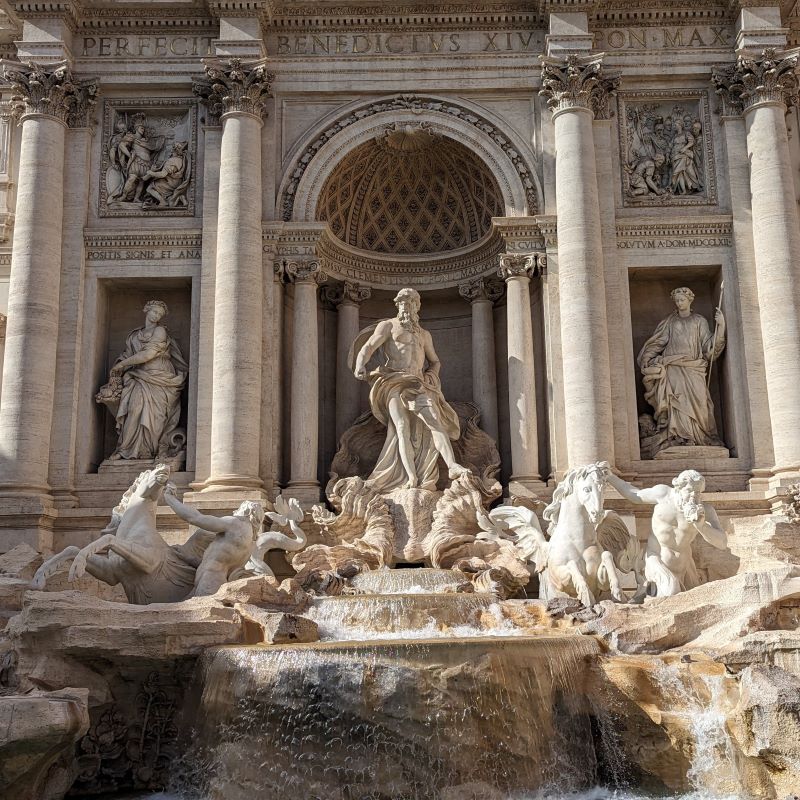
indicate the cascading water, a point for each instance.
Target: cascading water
{"x":412,"y":720}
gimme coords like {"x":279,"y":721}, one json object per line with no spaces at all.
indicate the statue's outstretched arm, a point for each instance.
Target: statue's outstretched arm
{"x":711,"y":529}
{"x":193,"y":516}
{"x":636,"y":495}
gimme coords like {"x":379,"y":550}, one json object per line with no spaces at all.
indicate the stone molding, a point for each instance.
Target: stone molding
{"x":51,"y":92}
{"x":481,"y":290}
{"x":577,"y":82}
{"x":770,"y":77}
{"x":520,"y":265}
{"x":235,"y":86}
{"x":416,"y":104}
{"x":675,"y":229}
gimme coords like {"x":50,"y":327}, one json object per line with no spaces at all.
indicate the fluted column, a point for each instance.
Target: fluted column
{"x":761,"y":88}
{"x":46,"y":100}
{"x":304,"y":433}
{"x":237,"y":91}
{"x":347,"y":298}
{"x":482,"y":295}
{"x":517,"y":271}
{"x":576,"y":91}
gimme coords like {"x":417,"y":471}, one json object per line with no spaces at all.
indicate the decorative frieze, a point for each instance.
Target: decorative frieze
{"x":770,"y":78}
{"x":667,"y":155}
{"x":166,"y":246}
{"x":149,"y":154}
{"x":235,"y":86}
{"x":675,"y":235}
{"x":52,"y":92}
{"x":577,"y":82}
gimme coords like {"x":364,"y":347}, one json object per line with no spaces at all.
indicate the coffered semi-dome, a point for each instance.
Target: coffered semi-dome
{"x":410,"y":191}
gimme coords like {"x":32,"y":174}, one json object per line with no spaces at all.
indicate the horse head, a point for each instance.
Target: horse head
{"x":151,"y":482}
{"x":587,"y":485}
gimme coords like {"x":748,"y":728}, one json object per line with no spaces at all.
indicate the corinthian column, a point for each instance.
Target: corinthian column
{"x":347,"y":298}
{"x":304,"y":434}
{"x":576,"y":92}
{"x":47,"y":101}
{"x":761,"y":88}
{"x":237,"y":92}
{"x":482,"y":295}
{"x":517,"y":271}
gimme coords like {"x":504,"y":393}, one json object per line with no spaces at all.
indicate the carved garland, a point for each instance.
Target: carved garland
{"x":409,"y":103}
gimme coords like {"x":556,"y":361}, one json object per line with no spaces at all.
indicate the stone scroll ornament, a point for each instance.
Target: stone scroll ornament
{"x":144,"y":392}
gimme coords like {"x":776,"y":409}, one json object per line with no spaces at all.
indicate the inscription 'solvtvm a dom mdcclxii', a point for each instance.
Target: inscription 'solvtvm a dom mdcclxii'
{"x":411,"y":281}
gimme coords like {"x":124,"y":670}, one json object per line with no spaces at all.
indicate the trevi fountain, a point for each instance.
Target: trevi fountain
{"x":400,"y":400}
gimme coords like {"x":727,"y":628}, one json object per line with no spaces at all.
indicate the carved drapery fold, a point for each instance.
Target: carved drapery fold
{"x":235,"y":86}
{"x":519,"y":265}
{"x":577,"y":82}
{"x":53,"y":92}
{"x":481,"y":289}
{"x":770,"y":78}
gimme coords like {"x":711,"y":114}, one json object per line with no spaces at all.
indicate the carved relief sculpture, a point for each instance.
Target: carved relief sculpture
{"x":406,"y":396}
{"x":144,"y":391}
{"x":674,"y":363}
{"x":666,"y":151}
{"x":148,"y":160}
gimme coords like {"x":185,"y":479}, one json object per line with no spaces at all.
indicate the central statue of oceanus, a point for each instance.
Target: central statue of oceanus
{"x":406,"y":396}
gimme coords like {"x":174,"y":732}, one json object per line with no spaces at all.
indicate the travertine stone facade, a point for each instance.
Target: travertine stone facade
{"x":276,"y":171}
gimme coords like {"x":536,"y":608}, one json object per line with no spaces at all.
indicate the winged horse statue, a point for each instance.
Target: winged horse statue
{"x":587,"y":550}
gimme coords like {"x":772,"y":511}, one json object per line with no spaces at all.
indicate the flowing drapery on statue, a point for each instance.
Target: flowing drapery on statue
{"x":407,"y":398}
{"x":144,"y":389}
{"x":674,"y":363}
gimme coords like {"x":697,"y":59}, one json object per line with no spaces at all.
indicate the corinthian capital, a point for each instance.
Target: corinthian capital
{"x":770,"y":78}
{"x":305,"y":271}
{"x":51,"y":91}
{"x":520,"y":265}
{"x":577,"y":82}
{"x":481,"y":289}
{"x":235,"y":85}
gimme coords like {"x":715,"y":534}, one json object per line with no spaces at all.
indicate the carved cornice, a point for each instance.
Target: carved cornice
{"x":126,"y":240}
{"x":408,"y":103}
{"x":50,"y":91}
{"x":521,"y":265}
{"x":305,"y":271}
{"x":577,"y":82}
{"x":235,"y":86}
{"x":769,"y":78}
{"x":481,"y":290}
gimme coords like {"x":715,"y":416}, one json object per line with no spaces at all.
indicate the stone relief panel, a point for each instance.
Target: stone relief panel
{"x":667,"y":155}
{"x":149,"y":152}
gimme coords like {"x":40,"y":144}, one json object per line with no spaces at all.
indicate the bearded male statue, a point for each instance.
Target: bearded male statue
{"x":675,"y":361}
{"x":406,"y":396}
{"x":679,"y":515}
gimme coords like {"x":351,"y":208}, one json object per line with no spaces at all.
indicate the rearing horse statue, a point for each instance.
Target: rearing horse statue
{"x":130,"y":550}
{"x":589,"y":547}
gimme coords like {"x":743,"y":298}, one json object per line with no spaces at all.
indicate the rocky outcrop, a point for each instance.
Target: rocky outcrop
{"x":38,"y":733}
{"x":710,"y":616}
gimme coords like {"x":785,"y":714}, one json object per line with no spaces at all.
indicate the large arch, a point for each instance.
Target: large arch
{"x":509,"y":158}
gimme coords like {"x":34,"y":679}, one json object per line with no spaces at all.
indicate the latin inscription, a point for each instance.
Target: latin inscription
{"x":664,"y":38}
{"x":146,"y":46}
{"x":142,"y":255}
{"x":660,"y":244}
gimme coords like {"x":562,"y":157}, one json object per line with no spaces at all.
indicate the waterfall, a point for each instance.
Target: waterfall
{"x":410,"y":720}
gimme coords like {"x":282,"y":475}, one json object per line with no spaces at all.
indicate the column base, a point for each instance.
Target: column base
{"x":226,"y":492}
{"x":782,"y":476}
{"x":307,"y":493}
{"x":28,"y":519}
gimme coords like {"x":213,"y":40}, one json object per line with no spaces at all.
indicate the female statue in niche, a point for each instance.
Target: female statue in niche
{"x":674,"y":362}
{"x":144,"y":390}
